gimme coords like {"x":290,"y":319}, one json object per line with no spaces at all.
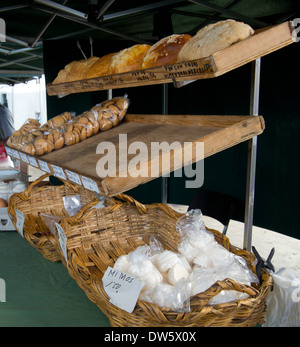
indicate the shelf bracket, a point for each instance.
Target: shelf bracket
{"x":252,"y":150}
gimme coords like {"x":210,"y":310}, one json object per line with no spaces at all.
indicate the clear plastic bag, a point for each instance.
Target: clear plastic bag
{"x":50,"y":221}
{"x":283,"y":302}
{"x":171,"y":278}
{"x":72,"y":204}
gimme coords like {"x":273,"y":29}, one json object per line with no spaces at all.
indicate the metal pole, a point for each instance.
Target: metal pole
{"x":252,"y":150}
{"x":164,"y":182}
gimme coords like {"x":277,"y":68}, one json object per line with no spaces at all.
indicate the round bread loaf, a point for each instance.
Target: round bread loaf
{"x":128,"y":59}
{"x":213,"y":38}
{"x":165,"y":51}
{"x":100,"y":67}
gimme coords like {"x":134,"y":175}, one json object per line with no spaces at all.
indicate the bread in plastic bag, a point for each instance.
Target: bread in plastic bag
{"x":283,"y":302}
{"x":68,"y":129}
{"x":172,"y":278}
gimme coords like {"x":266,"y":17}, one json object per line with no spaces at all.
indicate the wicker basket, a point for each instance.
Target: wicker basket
{"x":99,"y":237}
{"x":48,"y":200}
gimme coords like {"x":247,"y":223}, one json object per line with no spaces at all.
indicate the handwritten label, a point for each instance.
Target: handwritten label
{"x":20,"y":221}
{"x":24,"y":157}
{"x":32,"y":161}
{"x":44,"y":166}
{"x":62,"y":241}
{"x":122,"y":289}
{"x":143,"y":75}
{"x":73,"y":177}
{"x":192,"y":68}
{"x":8,"y":151}
{"x":59,"y":172}
{"x":16,"y":154}
{"x":90,"y":184}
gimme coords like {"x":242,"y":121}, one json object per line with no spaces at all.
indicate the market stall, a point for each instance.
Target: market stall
{"x":111,"y":234}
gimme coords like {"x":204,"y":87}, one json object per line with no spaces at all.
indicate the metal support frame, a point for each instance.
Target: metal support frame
{"x":252,"y":150}
{"x":165,"y":180}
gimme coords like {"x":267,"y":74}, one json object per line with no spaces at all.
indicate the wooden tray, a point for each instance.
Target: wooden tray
{"x":78,"y":163}
{"x":261,"y":43}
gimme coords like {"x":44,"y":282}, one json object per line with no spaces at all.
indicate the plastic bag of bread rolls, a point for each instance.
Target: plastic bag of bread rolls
{"x":111,"y":112}
{"x":67,"y":129}
{"x":163,"y":273}
{"x":22,"y":138}
{"x":171,"y":278}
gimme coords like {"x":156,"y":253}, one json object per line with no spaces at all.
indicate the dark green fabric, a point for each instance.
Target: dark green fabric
{"x":40,"y":293}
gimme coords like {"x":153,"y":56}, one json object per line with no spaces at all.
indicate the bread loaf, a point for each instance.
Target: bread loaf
{"x":128,"y":59}
{"x":165,"y":51}
{"x":213,"y":38}
{"x":100,"y":67}
{"x":77,"y":69}
{"x":74,"y":71}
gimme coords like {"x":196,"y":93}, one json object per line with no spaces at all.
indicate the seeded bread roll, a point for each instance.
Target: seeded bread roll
{"x":165,"y":51}
{"x":213,"y":38}
{"x":128,"y":59}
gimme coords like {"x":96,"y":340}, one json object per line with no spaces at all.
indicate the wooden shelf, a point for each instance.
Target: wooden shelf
{"x":78,"y":163}
{"x":261,"y":43}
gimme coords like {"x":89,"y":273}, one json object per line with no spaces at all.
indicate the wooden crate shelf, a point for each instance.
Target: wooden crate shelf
{"x":261,"y":43}
{"x":78,"y":163}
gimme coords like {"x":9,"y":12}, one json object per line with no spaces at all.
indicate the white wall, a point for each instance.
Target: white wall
{"x":26,"y":100}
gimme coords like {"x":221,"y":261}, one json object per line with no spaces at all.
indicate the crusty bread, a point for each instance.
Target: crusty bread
{"x":75,"y":70}
{"x":213,"y":38}
{"x":61,"y":77}
{"x":128,"y":59}
{"x":100,"y":67}
{"x":165,"y":51}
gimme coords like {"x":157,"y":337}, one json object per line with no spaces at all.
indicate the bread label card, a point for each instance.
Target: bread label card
{"x":90,"y":184}
{"x":122,"y":289}
{"x":73,"y":177}
{"x":59,"y":172}
{"x":24,"y":157}
{"x":62,"y":241}
{"x":20,"y":221}
{"x":44,"y":166}
{"x":32,"y":161}
{"x":8,"y":151}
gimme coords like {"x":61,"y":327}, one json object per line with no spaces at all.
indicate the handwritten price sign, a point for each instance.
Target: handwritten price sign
{"x":122,"y":289}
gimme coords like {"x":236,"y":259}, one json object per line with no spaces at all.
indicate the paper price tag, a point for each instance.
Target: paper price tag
{"x":20,"y":221}
{"x":32,"y":161}
{"x":73,"y":177}
{"x":122,"y":289}
{"x":44,"y":166}
{"x":62,"y":241}
{"x":16,"y":154}
{"x":59,"y":172}
{"x":90,"y":184}
{"x":8,"y":151}
{"x":24,"y":157}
